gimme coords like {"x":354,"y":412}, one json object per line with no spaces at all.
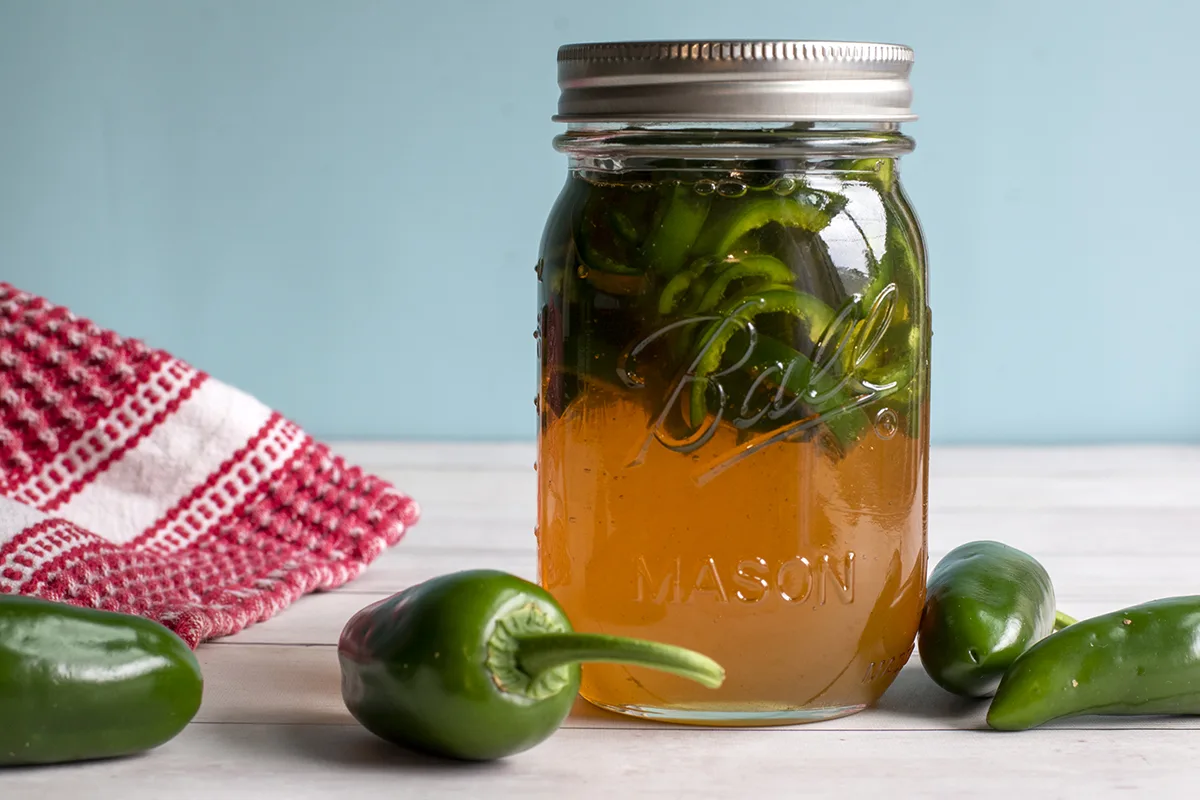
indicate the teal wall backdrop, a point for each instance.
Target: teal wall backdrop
{"x":336,"y":205}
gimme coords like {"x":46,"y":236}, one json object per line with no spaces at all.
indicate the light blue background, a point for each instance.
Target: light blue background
{"x":336,"y":205}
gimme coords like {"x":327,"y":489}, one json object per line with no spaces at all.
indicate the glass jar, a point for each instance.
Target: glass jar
{"x":734,"y":361}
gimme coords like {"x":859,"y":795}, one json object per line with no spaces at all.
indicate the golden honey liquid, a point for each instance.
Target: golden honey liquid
{"x":800,"y":572}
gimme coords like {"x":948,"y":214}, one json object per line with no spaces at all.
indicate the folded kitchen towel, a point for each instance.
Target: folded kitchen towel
{"x":131,"y":481}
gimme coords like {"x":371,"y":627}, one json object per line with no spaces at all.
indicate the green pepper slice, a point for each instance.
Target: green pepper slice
{"x":743,"y":309}
{"x":599,"y":243}
{"x":880,"y":171}
{"x":769,"y":268}
{"x":616,"y":282}
{"x":683,"y":284}
{"x":749,"y":215}
{"x":624,"y":226}
{"x":594,"y":259}
{"x":841,"y":416}
{"x":896,"y":358}
{"x":898,"y":264}
{"x":682,"y":218}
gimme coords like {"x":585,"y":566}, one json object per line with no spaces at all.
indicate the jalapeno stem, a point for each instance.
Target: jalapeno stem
{"x":1062,"y":620}
{"x":540,"y":652}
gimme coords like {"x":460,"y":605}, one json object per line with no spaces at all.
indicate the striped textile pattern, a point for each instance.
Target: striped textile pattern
{"x":130,"y":481}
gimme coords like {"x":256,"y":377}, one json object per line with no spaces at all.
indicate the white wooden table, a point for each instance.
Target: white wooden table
{"x":1112,"y":525}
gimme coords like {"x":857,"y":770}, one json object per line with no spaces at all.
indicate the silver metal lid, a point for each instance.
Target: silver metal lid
{"x":734,"y":81}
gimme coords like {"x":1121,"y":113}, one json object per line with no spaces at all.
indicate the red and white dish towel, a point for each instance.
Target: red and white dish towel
{"x":133,"y":482}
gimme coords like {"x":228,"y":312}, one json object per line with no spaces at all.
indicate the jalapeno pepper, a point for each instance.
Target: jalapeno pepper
{"x":1141,"y":660}
{"x":879,"y":171}
{"x":625,"y":227}
{"x":683,"y":284}
{"x":895,"y":359}
{"x":661,"y":249}
{"x":764,"y":270}
{"x":806,"y":383}
{"x":986,"y":604}
{"x":80,"y":684}
{"x":734,"y":316}
{"x":601,"y":244}
{"x":682,"y":217}
{"x":479,"y":665}
{"x":816,"y":273}
{"x":757,"y":212}
{"x":615,"y":283}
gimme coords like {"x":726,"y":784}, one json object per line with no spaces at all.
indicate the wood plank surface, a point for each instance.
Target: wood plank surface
{"x":1113,"y":525}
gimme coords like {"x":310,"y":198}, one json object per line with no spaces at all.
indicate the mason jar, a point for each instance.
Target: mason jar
{"x":734,"y":340}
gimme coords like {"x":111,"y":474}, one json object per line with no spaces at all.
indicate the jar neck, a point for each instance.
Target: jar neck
{"x":637,"y":146}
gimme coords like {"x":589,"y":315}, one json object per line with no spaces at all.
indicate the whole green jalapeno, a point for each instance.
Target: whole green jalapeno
{"x":1140,"y":660}
{"x":986,"y":604}
{"x":478,"y":665}
{"x":78,"y":684}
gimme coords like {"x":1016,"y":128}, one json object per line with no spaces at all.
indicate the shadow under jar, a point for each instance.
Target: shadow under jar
{"x":734,"y":361}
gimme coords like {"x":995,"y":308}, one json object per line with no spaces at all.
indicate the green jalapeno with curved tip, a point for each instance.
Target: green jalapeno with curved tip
{"x":479,"y":665}
{"x":986,"y":604}
{"x":1140,"y":660}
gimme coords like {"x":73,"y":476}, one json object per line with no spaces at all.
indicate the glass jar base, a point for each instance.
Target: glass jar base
{"x":731,"y":717}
